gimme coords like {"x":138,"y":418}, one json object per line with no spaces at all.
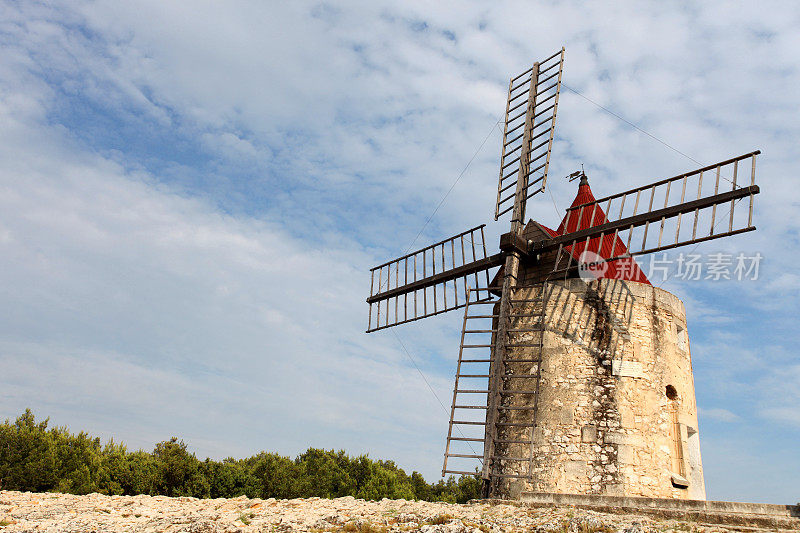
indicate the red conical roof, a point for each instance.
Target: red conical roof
{"x":624,"y":268}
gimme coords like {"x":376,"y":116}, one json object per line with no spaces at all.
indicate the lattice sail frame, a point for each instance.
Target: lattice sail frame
{"x":430,"y":281}
{"x":466,"y":431}
{"x":658,"y":203}
{"x":528,"y":132}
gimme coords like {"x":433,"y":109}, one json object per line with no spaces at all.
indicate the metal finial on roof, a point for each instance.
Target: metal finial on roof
{"x":579,"y":174}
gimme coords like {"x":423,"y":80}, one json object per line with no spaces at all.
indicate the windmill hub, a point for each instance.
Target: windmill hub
{"x":574,"y":373}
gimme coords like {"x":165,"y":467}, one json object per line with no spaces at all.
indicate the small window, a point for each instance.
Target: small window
{"x":672,"y":392}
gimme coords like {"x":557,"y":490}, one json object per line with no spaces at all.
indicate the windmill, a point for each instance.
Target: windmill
{"x":564,"y":384}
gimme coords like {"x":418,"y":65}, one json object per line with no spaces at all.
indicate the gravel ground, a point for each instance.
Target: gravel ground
{"x":25,"y":511}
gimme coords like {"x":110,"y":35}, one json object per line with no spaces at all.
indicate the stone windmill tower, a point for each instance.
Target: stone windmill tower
{"x":574,"y":373}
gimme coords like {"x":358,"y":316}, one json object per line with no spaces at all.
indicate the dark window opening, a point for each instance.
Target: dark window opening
{"x":672,"y":393}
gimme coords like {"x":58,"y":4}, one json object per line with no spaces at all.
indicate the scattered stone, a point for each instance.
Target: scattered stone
{"x":61,"y":513}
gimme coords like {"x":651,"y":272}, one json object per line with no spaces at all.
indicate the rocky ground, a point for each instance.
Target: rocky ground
{"x":25,"y":511}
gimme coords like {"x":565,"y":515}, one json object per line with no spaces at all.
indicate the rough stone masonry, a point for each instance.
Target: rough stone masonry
{"x":615,"y":410}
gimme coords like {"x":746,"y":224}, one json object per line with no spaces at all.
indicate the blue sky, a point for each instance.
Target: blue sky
{"x":192,"y":198}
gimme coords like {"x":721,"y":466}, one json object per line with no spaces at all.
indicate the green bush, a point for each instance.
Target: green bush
{"x":37,"y":459}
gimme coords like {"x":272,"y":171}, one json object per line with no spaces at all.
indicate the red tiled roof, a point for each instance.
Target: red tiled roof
{"x":611,"y":245}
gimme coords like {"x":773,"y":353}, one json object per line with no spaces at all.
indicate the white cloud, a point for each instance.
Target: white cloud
{"x":191,"y":198}
{"x":125,"y":300}
{"x":781,"y":386}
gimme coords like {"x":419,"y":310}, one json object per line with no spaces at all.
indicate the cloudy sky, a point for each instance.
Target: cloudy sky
{"x":191,"y":195}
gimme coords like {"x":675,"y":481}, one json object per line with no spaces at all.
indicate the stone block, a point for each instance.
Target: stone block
{"x":679,"y":481}
{"x":637,"y":350}
{"x":629,"y":369}
{"x":614,"y":437}
{"x":576,"y":469}
{"x":627,"y":418}
{"x":588,"y":434}
{"x":625,"y":454}
{"x":687,"y":420}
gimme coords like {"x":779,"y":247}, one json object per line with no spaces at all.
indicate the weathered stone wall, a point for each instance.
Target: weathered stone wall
{"x":605,"y":420}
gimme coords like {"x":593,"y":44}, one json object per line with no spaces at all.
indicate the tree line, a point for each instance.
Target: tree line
{"x":36,"y":458}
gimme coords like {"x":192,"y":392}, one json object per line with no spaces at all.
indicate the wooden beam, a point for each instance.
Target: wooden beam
{"x":644,"y":218}
{"x":448,"y":275}
{"x":513,"y":242}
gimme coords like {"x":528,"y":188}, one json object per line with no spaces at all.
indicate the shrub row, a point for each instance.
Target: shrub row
{"x":35,"y":458}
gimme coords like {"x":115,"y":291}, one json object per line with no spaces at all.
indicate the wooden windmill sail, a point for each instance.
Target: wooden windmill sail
{"x":495,"y":398}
